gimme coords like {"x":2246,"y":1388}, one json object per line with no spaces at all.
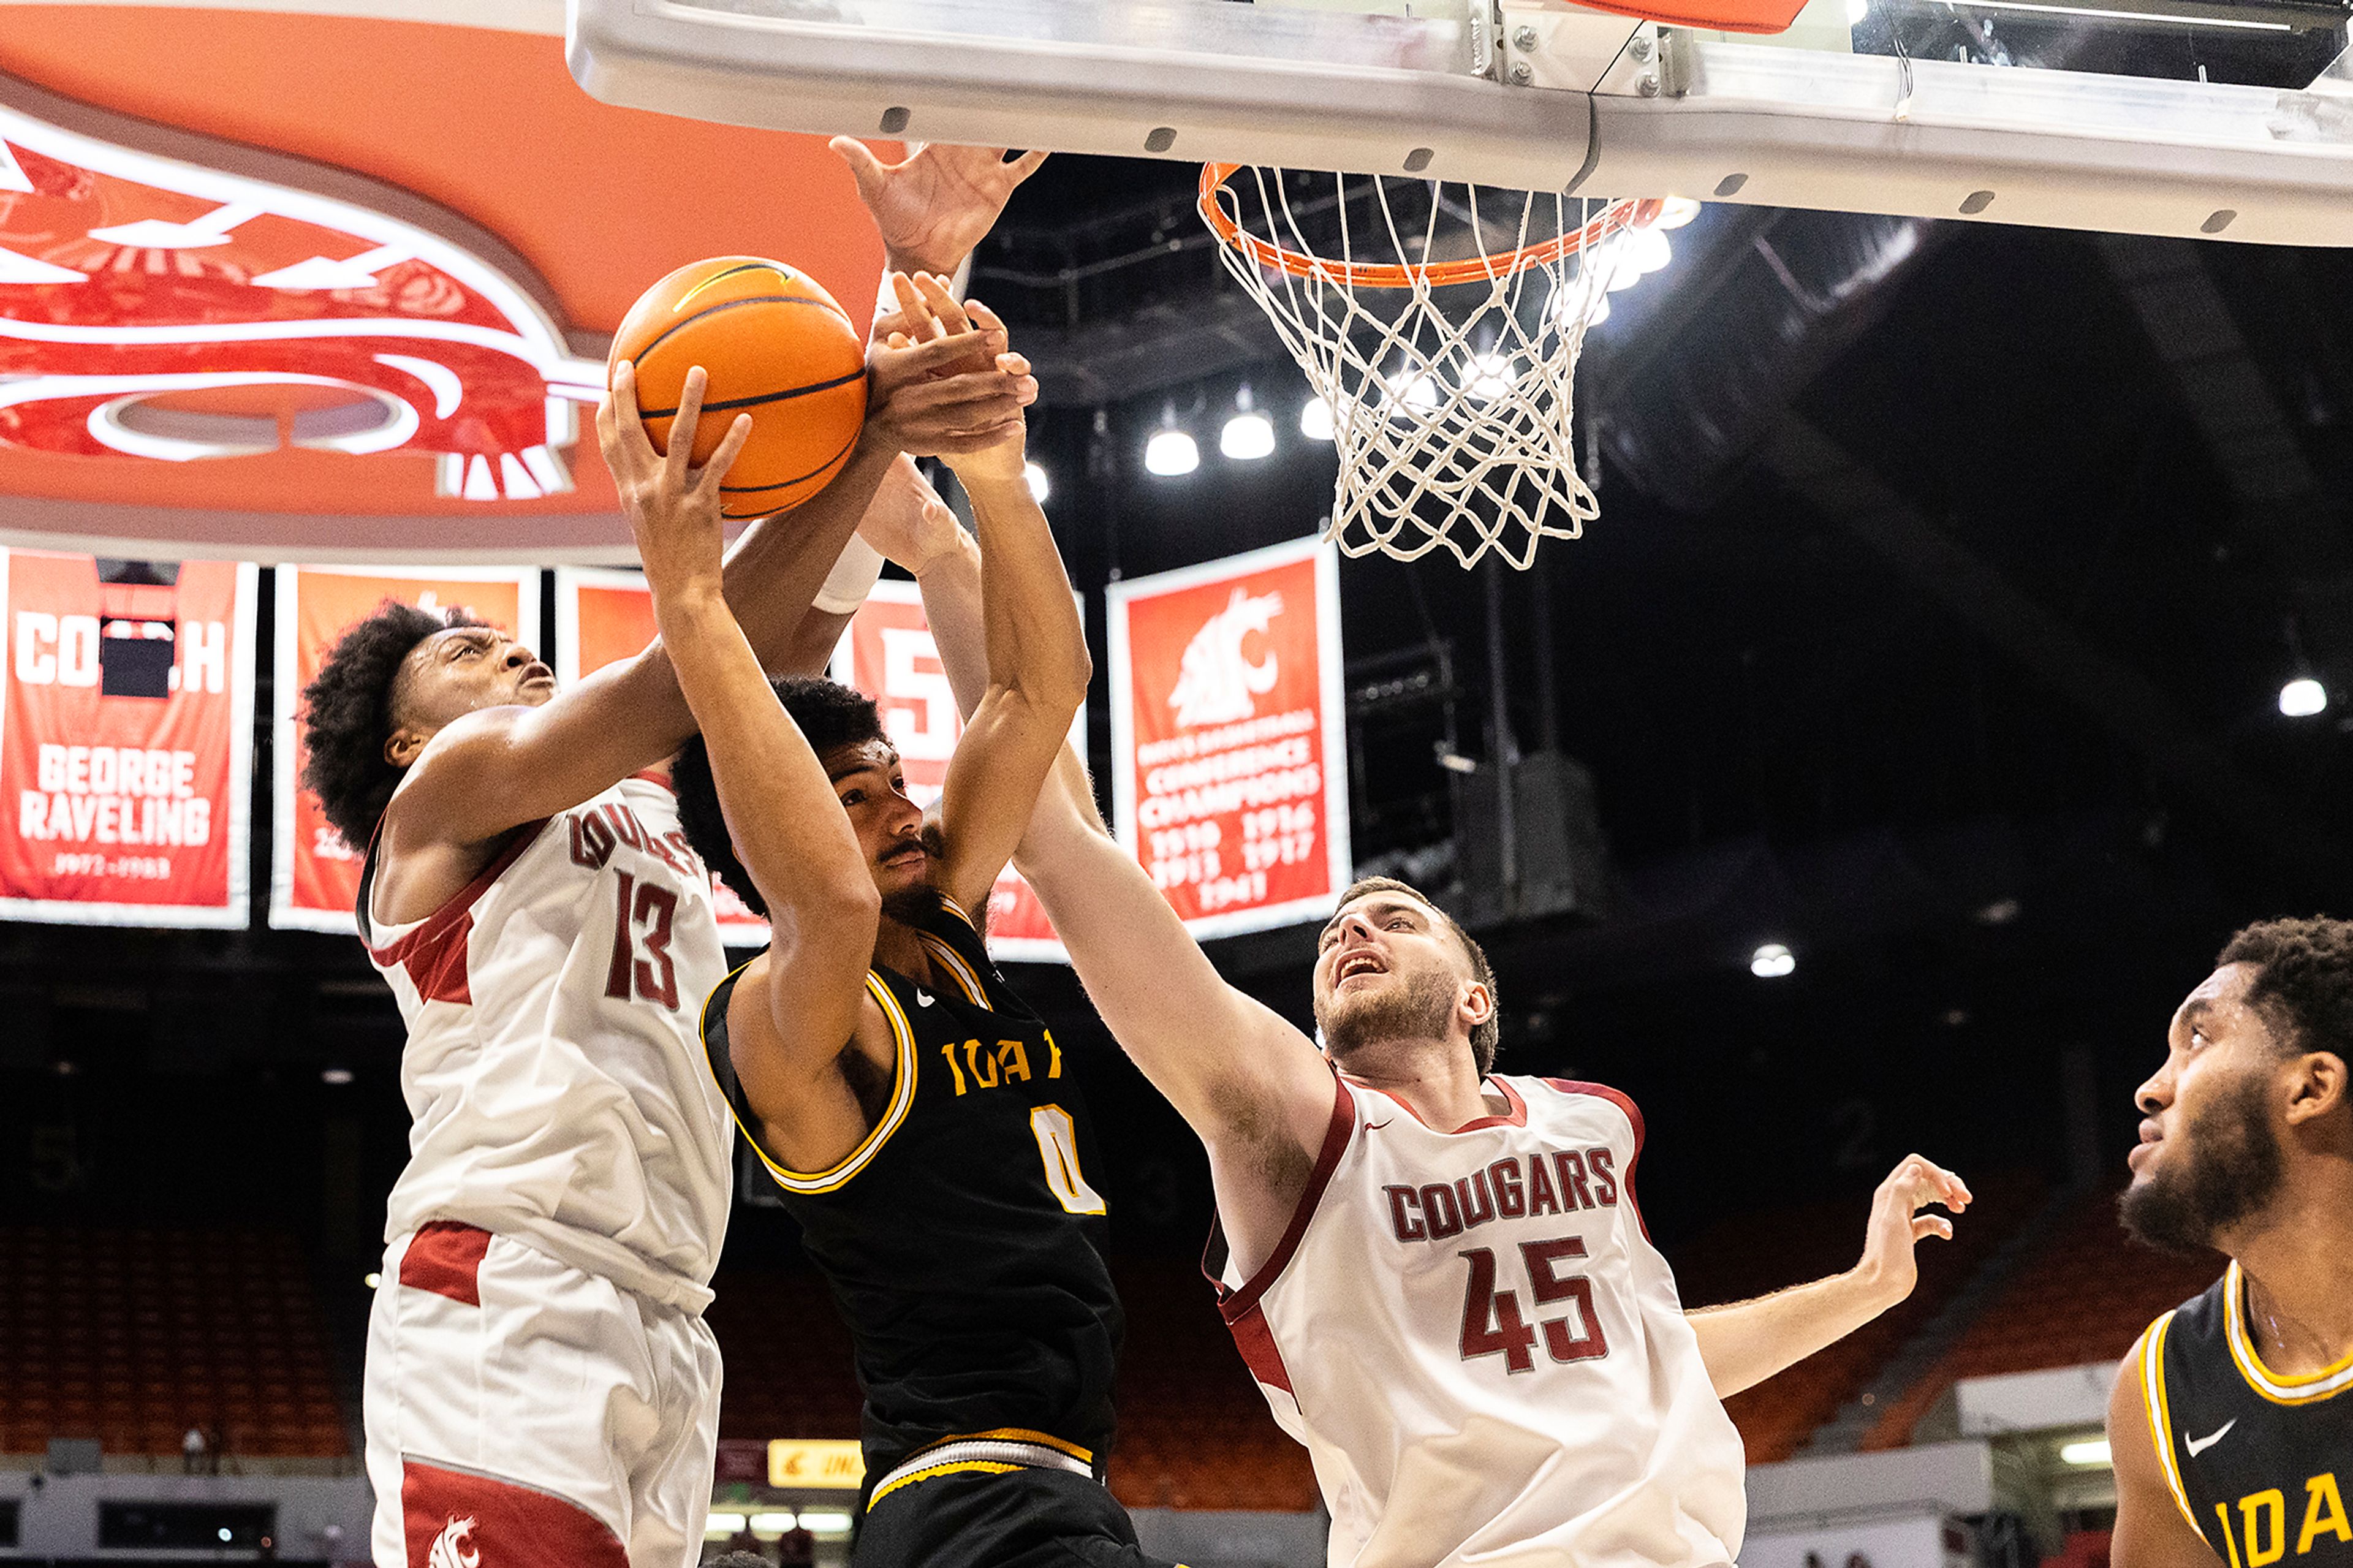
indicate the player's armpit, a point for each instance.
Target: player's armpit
{"x":2151,"y":1530}
{"x":808,"y":1115}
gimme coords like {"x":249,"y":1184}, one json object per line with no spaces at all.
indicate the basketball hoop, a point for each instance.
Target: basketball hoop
{"x":1450,"y":379}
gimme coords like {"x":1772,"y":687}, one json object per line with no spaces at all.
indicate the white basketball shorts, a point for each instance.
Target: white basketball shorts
{"x":521,"y":1413}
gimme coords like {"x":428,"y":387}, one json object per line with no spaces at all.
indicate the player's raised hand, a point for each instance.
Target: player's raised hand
{"x":940,"y":385}
{"x":673,"y":506}
{"x":936,"y":203}
{"x":1896,"y":1223}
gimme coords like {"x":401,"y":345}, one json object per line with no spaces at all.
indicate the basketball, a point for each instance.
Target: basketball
{"x":773,"y":345}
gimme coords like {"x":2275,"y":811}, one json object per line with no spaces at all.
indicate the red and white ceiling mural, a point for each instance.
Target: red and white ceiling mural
{"x":243,"y":311}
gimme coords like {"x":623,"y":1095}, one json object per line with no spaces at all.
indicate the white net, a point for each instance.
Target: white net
{"x":1440,"y":324}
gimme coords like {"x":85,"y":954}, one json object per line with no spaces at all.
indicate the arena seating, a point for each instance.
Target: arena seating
{"x":2084,"y":1296}
{"x":1194,"y":1431}
{"x":1756,"y":1254}
{"x":132,"y":1336}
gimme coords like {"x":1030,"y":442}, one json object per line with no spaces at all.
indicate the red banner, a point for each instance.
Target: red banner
{"x":890,"y":655}
{"x":313,"y":874}
{"x":1229,"y":737}
{"x":603,"y":615}
{"x":126,"y":741}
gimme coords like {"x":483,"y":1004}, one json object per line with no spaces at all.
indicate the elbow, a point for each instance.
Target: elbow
{"x":855,"y":904}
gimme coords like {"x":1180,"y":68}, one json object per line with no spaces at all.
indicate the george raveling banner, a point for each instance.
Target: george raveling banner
{"x":126,"y":740}
{"x":313,"y":875}
{"x":602,"y":616}
{"x":888,"y":653}
{"x":1230,"y":778}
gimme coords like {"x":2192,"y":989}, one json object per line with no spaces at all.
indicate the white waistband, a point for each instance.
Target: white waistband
{"x":977,"y":1451}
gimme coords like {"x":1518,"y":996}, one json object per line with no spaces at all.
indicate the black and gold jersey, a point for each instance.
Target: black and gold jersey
{"x":2259,"y":1463}
{"x":961,"y":1238}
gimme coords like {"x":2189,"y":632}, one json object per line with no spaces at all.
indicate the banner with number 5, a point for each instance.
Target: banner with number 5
{"x":889,"y":655}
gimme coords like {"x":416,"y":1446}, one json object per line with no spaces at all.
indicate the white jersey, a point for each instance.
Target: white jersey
{"x":1483,"y":1353}
{"x":554,"y":1069}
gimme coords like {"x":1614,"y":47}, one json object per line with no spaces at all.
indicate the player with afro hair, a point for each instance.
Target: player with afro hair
{"x":347,"y":715}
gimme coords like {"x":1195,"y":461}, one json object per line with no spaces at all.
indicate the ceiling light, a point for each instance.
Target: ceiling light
{"x":1455,"y":763}
{"x":769,"y":1526}
{"x":1420,"y":392}
{"x":1681,"y":210}
{"x":1857,"y":12}
{"x":1490,"y":376}
{"x":1248,"y":435}
{"x":1170,"y":452}
{"x":1771,"y":961}
{"x":1039,"y":486}
{"x":335,"y":1075}
{"x":2303,"y":696}
{"x":1315,"y":419}
{"x":824,"y":1521}
{"x":1646,"y":251}
{"x":720,"y":1526}
{"x":2091,"y":1451}
{"x":1999,"y":912}
{"x":371,"y":1281}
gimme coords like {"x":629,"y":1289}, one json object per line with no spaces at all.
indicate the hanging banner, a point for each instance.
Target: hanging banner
{"x":889,"y":655}
{"x":126,"y":741}
{"x":602,"y":616}
{"x":1229,"y":737}
{"x":313,"y":874}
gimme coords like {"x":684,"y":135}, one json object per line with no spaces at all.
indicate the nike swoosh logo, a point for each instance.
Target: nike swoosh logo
{"x":2199,"y":1445}
{"x":923,"y":998}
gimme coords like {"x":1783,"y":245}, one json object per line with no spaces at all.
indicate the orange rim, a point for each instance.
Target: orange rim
{"x":1624,"y":214}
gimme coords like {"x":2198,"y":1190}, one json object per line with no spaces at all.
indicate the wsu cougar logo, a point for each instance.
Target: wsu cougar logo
{"x":454,"y":1547}
{"x":1215,"y":684}
{"x":131,"y":284}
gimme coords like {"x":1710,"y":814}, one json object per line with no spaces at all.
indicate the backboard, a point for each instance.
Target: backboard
{"x":2231,"y":118}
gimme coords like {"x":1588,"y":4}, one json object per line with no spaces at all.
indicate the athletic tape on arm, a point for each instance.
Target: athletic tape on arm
{"x":852,"y":579}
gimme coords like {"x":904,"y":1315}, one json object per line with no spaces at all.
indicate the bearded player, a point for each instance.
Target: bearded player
{"x":2232,"y":1423}
{"x":541,"y":1388}
{"x":1438,"y":1276}
{"x":921,"y":1122}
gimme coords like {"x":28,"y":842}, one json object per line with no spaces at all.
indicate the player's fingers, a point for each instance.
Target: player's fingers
{"x":860,"y":158}
{"x":930,"y":358}
{"x":1024,"y":166}
{"x":707,"y":480}
{"x":625,"y":395}
{"x":915,"y":316}
{"x":1934,"y":1225}
{"x":682,"y":427}
{"x":941,"y":297}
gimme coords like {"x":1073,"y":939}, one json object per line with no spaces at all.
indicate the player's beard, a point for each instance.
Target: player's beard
{"x":2229,"y":1167}
{"x":910,"y":905}
{"x":1418,"y":1009}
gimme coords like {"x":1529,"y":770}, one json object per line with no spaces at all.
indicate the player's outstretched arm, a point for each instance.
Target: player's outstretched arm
{"x":2151,"y":1530}
{"x":1256,"y":1090}
{"x":1748,"y":1342}
{"x":503,"y":766}
{"x":1034,"y":648}
{"x":938,"y":203}
{"x":787,"y":829}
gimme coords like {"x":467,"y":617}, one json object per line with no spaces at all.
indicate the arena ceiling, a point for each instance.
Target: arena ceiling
{"x":284,"y":284}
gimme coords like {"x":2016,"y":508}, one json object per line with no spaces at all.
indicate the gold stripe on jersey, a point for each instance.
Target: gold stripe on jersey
{"x":902,"y":1098}
{"x":2277,"y":1387}
{"x":966,"y":977}
{"x":1014,"y":1435}
{"x":988,"y":1466}
{"x":2161,"y":1415}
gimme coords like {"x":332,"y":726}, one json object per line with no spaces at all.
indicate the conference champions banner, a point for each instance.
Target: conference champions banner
{"x":1230,"y":775}
{"x":889,"y":654}
{"x":315,"y":875}
{"x":602,"y":616}
{"x":126,"y":741}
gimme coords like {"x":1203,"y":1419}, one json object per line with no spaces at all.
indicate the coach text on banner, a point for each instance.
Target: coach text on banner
{"x":126,"y":740}
{"x":889,"y":655}
{"x":313,"y":875}
{"x":1229,"y":737}
{"x":602,"y":616}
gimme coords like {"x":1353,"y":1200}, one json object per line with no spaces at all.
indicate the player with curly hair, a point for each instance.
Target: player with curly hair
{"x":540,"y":1387}
{"x":2230,"y":1425}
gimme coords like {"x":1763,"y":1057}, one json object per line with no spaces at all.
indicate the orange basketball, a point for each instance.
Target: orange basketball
{"x":773,"y":345}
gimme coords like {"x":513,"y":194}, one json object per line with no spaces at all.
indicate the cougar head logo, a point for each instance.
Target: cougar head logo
{"x":1215,"y":684}
{"x":454,"y":1548}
